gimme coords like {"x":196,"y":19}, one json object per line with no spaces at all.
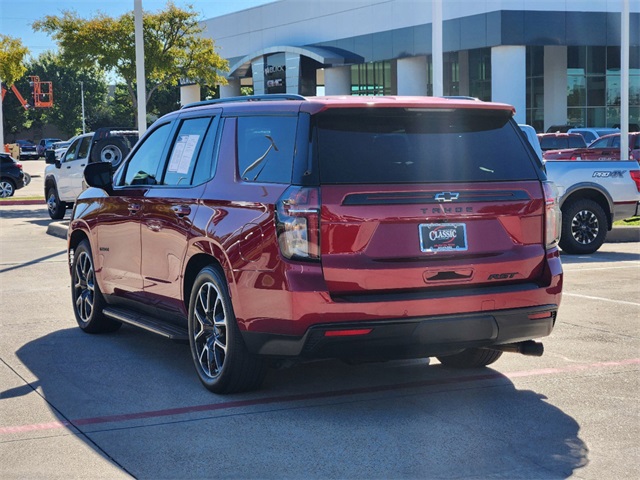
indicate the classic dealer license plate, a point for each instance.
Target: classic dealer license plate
{"x":436,"y":237}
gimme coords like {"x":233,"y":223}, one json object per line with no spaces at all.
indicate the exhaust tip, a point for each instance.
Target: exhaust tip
{"x":529,"y":348}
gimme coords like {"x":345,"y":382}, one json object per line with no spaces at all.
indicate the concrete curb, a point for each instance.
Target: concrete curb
{"x":17,"y":201}
{"x":623,"y":235}
{"x":58,"y":229}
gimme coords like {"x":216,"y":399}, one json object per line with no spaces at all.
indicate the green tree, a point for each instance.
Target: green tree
{"x":174,"y":47}
{"x":68,"y":84}
{"x":12,"y":68}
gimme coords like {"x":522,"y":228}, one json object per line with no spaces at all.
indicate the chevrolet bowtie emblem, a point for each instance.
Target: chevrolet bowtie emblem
{"x":446,"y":196}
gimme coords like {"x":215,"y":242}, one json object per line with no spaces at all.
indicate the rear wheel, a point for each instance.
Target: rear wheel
{"x":221,"y":359}
{"x":584,"y":227}
{"x":471,"y":358}
{"x":55,"y":206}
{"x":7,"y":188}
{"x":88,"y":302}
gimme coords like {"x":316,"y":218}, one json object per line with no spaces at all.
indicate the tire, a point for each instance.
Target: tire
{"x":27,"y":179}
{"x":221,"y":359}
{"x":7,"y":188}
{"x":584,"y":227}
{"x":110,"y":149}
{"x":56,"y":207}
{"x":471,"y":358}
{"x":88,"y":302}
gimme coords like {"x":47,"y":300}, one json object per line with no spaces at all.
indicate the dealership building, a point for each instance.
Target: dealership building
{"x":557,"y":61}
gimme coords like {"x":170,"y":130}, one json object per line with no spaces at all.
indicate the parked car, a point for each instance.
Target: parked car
{"x":560,"y":128}
{"x":363,"y":228}
{"x":63,"y":175}
{"x":12,"y":177}
{"x":590,"y":134}
{"x":604,"y":148}
{"x":57,"y":149}
{"x":27,"y":150}
{"x":557,"y":141}
{"x":44,"y":144}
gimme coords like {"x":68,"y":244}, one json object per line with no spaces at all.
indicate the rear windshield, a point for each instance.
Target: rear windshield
{"x":396,"y":145}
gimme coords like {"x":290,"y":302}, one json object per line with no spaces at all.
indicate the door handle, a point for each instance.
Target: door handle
{"x":181,"y":210}
{"x":133,"y":208}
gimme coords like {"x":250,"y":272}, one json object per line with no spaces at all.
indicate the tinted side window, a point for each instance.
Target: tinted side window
{"x":205,"y":167}
{"x":84,"y":147}
{"x":143,"y":166}
{"x":71,"y":151}
{"x":602,"y":143}
{"x":184,"y":152}
{"x":615,"y":143}
{"x":393,"y":145}
{"x":265,"y":148}
{"x":576,"y":142}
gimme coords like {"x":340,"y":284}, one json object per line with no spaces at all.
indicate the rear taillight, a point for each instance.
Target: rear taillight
{"x":635,"y":175}
{"x":19,"y":165}
{"x":552,"y":215}
{"x":298,"y":223}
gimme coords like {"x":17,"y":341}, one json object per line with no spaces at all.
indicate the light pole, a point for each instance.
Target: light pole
{"x":82,"y":97}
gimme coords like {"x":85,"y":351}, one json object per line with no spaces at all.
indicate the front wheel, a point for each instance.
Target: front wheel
{"x":471,"y":358}
{"x":584,"y":227}
{"x":88,"y":302}
{"x":221,"y":359}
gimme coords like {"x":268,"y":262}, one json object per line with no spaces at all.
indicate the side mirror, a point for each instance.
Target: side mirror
{"x":50,"y":157}
{"x":99,"y":175}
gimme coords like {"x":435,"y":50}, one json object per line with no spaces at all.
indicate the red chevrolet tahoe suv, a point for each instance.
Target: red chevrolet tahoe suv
{"x":272,"y":227}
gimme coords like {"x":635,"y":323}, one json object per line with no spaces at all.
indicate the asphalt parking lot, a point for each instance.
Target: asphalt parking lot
{"x":128,"y":404}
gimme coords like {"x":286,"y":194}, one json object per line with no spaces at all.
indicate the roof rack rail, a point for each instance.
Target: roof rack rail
{"x":247,"y":98}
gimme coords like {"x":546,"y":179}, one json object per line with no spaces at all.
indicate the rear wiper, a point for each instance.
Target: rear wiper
{"x":261,"y":159}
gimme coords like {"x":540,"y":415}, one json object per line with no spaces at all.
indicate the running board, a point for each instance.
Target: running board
{"x":150,"y":324}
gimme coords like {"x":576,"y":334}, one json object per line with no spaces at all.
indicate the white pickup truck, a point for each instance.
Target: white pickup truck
{"x":64,"y":177}
{"x":593,"y":194}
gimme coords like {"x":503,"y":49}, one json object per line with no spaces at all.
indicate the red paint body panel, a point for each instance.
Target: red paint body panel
{"x":372,"y":266}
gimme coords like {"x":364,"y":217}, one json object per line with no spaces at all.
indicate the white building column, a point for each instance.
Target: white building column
{"x":337,"y":81}
{"x":509,"y":78}
{"x":189,"y":94}
{"x":555,"y":86}
{"x":257,"y":67}
{"x":231,"y":89}
{"x":292,"y":71}
{"x":412,"y":76}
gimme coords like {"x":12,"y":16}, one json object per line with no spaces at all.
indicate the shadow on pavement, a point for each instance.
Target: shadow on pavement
{"x":136,"y":397}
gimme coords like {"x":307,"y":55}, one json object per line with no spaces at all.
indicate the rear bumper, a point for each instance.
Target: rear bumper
{"x":409,"y":338}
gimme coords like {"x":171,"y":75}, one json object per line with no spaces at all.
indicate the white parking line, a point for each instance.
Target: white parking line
{"x":566,"y":267}
{"x":589,"y":297}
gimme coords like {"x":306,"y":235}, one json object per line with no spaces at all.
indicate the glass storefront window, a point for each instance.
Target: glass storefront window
{"x":593,"y":85}
{"x":576,"y":91}
{"x":372,"y":78}
{"x":480,"y":73}
{"x":535,"y":87}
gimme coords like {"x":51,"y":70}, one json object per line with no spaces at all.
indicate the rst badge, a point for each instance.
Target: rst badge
{"x":436,"y":237}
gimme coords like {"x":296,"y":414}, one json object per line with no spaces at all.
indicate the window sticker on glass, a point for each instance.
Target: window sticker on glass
{"x":183,"y":153}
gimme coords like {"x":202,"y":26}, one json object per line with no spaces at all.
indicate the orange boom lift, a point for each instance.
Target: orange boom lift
{"x":42,"y":93}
